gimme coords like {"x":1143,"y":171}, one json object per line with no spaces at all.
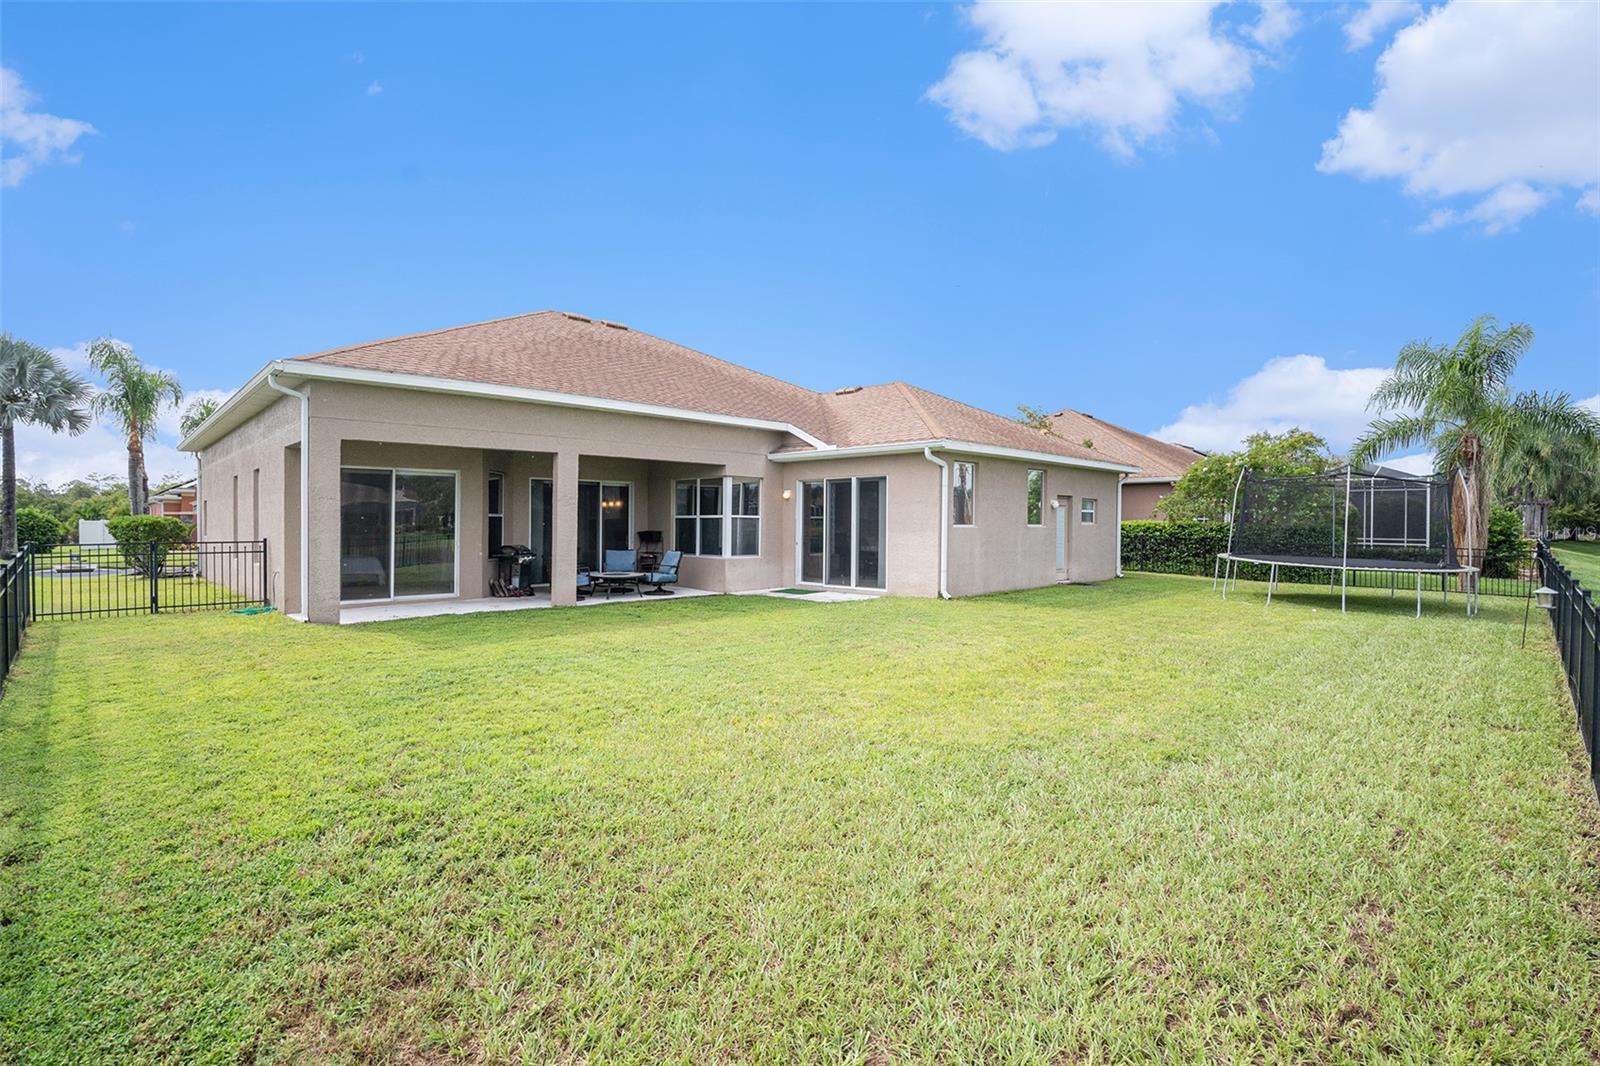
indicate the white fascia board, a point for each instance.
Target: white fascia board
{"x":423,"y":383}
{"x":1149,"y":480}
{"x":203,"y":433}
{"x":958,"y":446}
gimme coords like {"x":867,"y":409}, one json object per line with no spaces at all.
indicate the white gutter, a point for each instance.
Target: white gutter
{"x":945,"y":445}
{"x":944,"y":520}
{"x":305,"y":490}
{"x":423,"y":383}
{"x":1150,"y":480}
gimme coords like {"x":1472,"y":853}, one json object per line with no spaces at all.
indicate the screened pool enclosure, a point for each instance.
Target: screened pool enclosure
{"x":1351,"y":520}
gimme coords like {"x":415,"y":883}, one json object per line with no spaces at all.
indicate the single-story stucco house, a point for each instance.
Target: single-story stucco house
{"x":1160,"y":463}
{"x":395,"y":469}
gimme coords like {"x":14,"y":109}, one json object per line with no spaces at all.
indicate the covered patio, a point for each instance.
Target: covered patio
{"x":396,"y":610}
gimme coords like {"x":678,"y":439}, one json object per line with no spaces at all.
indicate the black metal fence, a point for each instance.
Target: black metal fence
{"x":14,"y":613}
{"x":1577,"y":629}
{"x":144,"y":577}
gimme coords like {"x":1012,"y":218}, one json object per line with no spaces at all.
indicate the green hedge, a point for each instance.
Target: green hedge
{"x":38,"y":528}
{"x":1173,"y":547}
{"x":138,"y":534}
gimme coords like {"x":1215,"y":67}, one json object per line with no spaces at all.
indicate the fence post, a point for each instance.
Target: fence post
{"x":155,"y":581}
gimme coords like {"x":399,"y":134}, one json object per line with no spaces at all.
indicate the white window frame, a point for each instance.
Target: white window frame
{"x":455,"y":575}
{"x":855,"y":530}
{"x":1089,"y":510}
{"x":972,"y":482}
{"x":729,"y":517}
{"x":495,"y":475}
{"x":1027,"y":491}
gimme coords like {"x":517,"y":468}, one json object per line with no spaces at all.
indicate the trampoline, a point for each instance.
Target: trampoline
{"x":1348,"y":520}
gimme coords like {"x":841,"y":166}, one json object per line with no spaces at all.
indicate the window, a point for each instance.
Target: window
{"x":1086,"y":511}
{"x":842,"y":535}
{"x":497,"y":513}
{"x":745,"y":508}
{"x":697,"y":516}
{"x":1036,"y":497}
{"x":397,"y":533}
{"x":961,"y":494}
{"x":234,"y":533}
{"x":255,"y":504}
{"x":717,"y":516}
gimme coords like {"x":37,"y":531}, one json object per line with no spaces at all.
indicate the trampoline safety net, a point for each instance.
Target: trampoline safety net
{"x":1399,"y":523}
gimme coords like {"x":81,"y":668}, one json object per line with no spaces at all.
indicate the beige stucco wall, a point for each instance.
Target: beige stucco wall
{"x":258,"y":445}
{"x":358,"y":425}
{"x":1001,"y":551}
{"x":1139,"y":501}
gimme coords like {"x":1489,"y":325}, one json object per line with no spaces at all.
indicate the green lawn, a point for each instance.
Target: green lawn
{"x":1582,"y":560}
{"x":1080,"y":824}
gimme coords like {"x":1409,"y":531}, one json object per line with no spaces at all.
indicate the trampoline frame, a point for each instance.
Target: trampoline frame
{"x":1231,"y":560}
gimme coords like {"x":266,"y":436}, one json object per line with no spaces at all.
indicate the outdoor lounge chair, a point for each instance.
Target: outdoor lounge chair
{"x":621,"y":560}
{"x":585,"y":582}
{"x":667,"y":574}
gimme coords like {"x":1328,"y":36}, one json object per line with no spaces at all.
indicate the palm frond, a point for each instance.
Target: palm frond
{"x":1385,"y":436}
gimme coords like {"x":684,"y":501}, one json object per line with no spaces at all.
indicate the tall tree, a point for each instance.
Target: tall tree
{"x":133,"y":397}
{"x":1205,"y":491}
{"x":196,"y":413}
{"x":1457,"y":400}
{"x":35,"y":389}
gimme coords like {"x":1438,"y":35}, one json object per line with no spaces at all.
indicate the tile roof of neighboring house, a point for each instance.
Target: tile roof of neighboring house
{"x":1155,"y":458}
{"x":559,"y":352}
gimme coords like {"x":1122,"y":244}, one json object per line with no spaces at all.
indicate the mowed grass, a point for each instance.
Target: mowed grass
{"x":1121,"y":822}
{"x":1582,"y":560}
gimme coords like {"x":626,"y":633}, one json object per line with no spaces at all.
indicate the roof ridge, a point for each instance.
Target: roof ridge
{"x":922,"y":412}
{"x":1143,"y":437}
{"x":425,"y":333}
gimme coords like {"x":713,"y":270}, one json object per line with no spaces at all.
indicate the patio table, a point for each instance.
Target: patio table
{"x":616,"y":579}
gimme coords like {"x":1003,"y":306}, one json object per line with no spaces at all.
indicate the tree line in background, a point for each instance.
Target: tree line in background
{"x":37,"y":389}
{"x":1456,"y":401}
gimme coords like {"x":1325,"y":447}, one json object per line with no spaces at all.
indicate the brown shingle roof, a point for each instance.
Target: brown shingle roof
{"x":559,"y":352}
{"x":1155,"y":458}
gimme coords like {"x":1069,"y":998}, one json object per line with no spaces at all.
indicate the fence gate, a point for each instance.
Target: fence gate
{"x":144,"y":577}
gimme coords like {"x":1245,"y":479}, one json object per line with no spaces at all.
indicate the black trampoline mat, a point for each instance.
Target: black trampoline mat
{"x":1324,"y":562}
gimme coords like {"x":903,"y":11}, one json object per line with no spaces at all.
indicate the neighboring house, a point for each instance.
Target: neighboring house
{"x":1160,"y":464}
{"x":401,"y":465}
{"x":175,"y":501}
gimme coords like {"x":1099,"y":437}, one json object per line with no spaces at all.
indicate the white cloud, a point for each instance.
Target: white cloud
{"x":1121,"y":70}
{"x":30,"y":139}
{"x":1592,"y":403}
{"x":374,"y":89}
{"x":1498,"y":102}
{"x":1369,"y":21}
{"x":1590,"y":200}
{"x":1290,"y":391}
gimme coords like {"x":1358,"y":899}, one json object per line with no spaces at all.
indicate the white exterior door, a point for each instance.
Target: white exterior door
{"x":1063,"y":507}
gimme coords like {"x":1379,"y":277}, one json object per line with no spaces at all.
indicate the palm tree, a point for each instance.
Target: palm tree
{"x":35,"y":389}
{"x":133,"y":398}
{"x":196,"y":413}
{"x":1457,"y":400}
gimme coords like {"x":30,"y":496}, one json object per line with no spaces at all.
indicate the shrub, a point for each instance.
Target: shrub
{"x":1578,"y":521}
{"x":138,"y":534}
{"x":37,"y":528}
{"x":1173,"y":547}
{"x":1507,"y":550}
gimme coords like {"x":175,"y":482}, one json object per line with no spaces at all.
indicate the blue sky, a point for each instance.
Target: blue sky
{"x":1168,"y":217}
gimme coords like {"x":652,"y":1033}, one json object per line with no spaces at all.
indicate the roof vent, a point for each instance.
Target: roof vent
{"x":577,"y":318}
{"x":847,"y":390}
{"x":613,"y":325}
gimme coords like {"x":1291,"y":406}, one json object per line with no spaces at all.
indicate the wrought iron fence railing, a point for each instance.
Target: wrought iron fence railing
{"x":1577,"y":631}
{"x":14,"y":611}
{"x":144,"y":577}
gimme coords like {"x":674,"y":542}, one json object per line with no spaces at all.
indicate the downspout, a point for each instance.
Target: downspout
{"x":1120,"y":479}
{"x":305,"y":489}
{"x":944,"y":521}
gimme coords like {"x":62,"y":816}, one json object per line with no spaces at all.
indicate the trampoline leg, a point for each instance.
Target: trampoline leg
{"x":1342,"y":589}
{"x":1272,"y":583}
{"x":1216,"y":568}
{"x":1419,"y":593}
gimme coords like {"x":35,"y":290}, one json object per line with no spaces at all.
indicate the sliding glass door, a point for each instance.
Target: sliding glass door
{"x":397,"y":534}
{"x":604,"y":522}
{"x":843,"y":524}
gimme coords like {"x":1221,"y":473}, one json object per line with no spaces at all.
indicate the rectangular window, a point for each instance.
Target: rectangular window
{"x":603,"y":523}
{"x":1036,"y":497}
{"x":745,"y":509}
{"x":1086,"y":511}
{"x":234,"y":533}
{"x":843,"y":534}
{"x":962,"y":493}
{"x":697,"y":516}
{"x":397,"y":534}
{"x":255,"y":504}
{"x":497,"y":513}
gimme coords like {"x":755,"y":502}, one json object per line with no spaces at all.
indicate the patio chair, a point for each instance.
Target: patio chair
{"x":621,"y":560}
{"x":585,"y":582}
{"x":666,"y":574}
